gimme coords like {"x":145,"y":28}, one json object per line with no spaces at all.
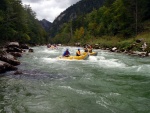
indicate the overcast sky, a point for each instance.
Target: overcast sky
{"x":48,"y":9}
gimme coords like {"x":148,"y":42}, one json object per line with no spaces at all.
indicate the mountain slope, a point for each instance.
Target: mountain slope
{"x":46,"y":24}
{"x":80,"y":8}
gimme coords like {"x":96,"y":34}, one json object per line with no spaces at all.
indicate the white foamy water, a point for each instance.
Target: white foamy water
{"x":111,"y":64}
{"x":49,"y":60}
{"x":78,"y":91}
{"x":107,"y":63}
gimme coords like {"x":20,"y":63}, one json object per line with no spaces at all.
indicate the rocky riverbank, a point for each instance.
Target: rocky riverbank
{"x":138,"y":48}
{"x":9,"y":54}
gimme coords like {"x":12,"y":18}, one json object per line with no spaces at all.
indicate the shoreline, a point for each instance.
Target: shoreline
{"x":9,"y":54}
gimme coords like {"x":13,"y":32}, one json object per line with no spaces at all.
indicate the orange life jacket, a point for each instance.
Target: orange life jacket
{"x":78,"y":53}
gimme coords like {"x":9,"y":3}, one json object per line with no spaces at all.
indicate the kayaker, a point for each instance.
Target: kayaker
{"x":78,"y":53}
{"x":66,"y":53}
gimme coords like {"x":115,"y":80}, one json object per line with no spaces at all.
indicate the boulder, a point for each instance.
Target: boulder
{"x":31,"y":50}
{"x":24,"y":46}
{"x":16,"y":54}
{"x":59,"y":44}
{"x":9,"y":59}
{"x":113,"y":49}
{"x":139,"y":40}
{"x":13,"y":49}
{"x":96,"y":46}
{"x":144,"y":46}
{"x":77,"y":44}
{"x":18,"y":72}
{"x":6,"y":67}
{"x":13,"y":44}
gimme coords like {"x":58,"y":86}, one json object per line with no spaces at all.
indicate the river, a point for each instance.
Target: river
{"x":106,"y":83}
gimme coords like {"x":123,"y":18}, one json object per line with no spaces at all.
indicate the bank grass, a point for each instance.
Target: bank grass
{"x":145,"y":36}
{"x":116,"y":41}
{"x":109,"y":41}
{"x":120,"y":41}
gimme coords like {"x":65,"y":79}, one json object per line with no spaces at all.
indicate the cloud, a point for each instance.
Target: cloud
{"x":48,"y":9}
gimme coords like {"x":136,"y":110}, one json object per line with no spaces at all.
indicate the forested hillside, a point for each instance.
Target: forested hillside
{"x":81,"y":22}
{"x":123,"y":18}
{"x":19,"y":23}
{"x":79,"y":9}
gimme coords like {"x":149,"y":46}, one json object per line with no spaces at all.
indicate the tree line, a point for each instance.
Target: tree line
{"x":18,"y":23}
{"x":71,"y":13}
{"x":125,"y":18}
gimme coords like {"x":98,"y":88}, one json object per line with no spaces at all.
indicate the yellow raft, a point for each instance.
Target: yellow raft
{"x":53,"y":48}
{"x":93,"y":54}
{"x":83,"y":56}
{"x":89,"y":51}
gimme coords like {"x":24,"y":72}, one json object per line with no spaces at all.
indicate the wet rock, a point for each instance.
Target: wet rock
{"x":16,"y":54}
{"x":18,"y":73}
{"x":13,"y":44}
{"x":9,"y":59}
{"x":142,"y":54}
{"x":8,"y":55}
{"x":24,"y":46}
{"x":23,"y":50}
{"x":31,"y":50}
{"x":147,"y":54}
{"x":77,"y":44}
{"x":59,"y":44}
{"x":96,"y":46}
{"x":13,"y":49}
{"x":113,"y":49}
{"x":6,"y":67}
{"x":144,"y":46}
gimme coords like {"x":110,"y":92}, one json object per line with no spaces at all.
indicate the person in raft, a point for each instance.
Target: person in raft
{"x":85,"y":49}
{"x":66,"y":53}
{"x":90,"y":48}
{"x":78,"y":53}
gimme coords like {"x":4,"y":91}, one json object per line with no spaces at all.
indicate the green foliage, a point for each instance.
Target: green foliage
{"x":76,"y":14}
{"x":25,"y":38}
{"x":61,"y":38}
{"x":19,"y":23}
{"x":79,"y":33}
{"x":125,"y":43}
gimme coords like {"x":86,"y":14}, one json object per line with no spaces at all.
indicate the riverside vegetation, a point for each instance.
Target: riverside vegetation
{"x":108,"y":23}
{"x":117,"y":23}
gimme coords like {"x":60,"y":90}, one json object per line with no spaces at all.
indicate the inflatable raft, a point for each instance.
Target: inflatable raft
{"x":93,"y":54}
{"x":83,"y":56}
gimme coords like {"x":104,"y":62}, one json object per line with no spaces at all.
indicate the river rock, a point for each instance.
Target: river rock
{"x":13,"y":44}
{"x":6,"y":67}
{"x":113,"y":49}
{"x":77,"y":44}
{"x":31,"y":50}
{"x":9,"y":59}
{"x":139,"y":40}
{"x":18,"y":72}
{"x":24,"y":46}
{"x":13,"y":49}
{"x":16,"y":54}
{"x":96,"y":46}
